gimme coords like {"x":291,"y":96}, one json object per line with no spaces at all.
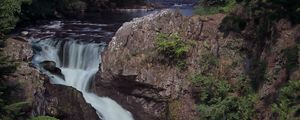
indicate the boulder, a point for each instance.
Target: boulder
{"x":63,"y":102}
{"x":135,"y":79}
{"x":51,"y":67}
{"x":18,"y":49}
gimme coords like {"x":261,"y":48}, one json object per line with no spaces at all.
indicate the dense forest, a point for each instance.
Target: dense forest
{"x":251,"y":20}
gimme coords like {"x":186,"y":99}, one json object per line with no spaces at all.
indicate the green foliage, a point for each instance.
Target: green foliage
{"x":9,"y":11}
{"x":209,"y":7}
{"x":243,"y":86}
{"x":287,"y":104}
{"x":277,"y":9}
{"x":218,"y":100}
{"x":208,"y":62}
{"x":9,"y":108}
{"x":171,"y":47}
{"x":43,"y":118}
{"x":259,"y":17}
{"x":212,"y":89}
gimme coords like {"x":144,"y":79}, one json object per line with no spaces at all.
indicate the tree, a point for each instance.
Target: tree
{"x":9,"y":11}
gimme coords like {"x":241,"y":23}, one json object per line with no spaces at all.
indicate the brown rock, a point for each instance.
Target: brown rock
{"x":46,"y":99}
{"x":63,"y":102}
{"x":144,"y":86}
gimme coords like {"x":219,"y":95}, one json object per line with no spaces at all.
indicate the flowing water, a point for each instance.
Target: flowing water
{"x":78,"y":62}
{"x":75,"y":46}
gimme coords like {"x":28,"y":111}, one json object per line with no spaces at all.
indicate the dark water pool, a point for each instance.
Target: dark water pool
{"x":92,"y":27}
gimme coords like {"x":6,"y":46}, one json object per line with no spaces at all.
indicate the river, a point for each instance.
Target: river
{"x":75,"y":45}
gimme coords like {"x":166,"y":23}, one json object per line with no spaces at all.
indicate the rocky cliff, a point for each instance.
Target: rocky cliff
{"x":130,"y":68}
{"x":153,"y":90}
{"x":44,"y":98}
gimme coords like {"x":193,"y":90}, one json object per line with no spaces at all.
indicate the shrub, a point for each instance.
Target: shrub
{"x":171,"y":47}
{"x":9,"y":11}
{"x":219,"y":101}
{"x":212,"y":89}
{"x":208,"y":62}
{"x":287,"y":106}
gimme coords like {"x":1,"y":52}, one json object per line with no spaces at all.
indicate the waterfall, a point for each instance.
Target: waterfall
{"x":79,"y":62}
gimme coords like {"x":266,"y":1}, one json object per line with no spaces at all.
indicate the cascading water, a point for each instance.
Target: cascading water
{"x":78,"y":62}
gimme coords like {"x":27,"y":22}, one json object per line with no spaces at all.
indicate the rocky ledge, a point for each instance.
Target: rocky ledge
{"x":132,"y":75}
{"x":135,"y":79}
{"x":44,"y":98}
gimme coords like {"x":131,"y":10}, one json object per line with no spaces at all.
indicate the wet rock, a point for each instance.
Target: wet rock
{"x":24,"y":33}
{"x":63,"y":102}
{"x":51,"y":67}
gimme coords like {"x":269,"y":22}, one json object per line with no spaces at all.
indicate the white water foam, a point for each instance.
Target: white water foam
{"x":79,"y":63}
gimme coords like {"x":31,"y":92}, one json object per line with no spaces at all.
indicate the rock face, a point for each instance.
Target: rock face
{"x":58,"y":101}
{"x":130,"y":69}
{"x":18,"y":49}
{"x":65,"y":103}
{"x":152,"y":90}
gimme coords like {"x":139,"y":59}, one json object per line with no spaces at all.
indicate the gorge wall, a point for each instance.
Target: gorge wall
{"x":131,"y":70}
{"x":153,"y":90}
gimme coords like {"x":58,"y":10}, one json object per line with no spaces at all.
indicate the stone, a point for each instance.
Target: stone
{"x":62,"y":102}
{"x":24,"y":33}
{"x":51,"y":67}
{"x":138,"y":82}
